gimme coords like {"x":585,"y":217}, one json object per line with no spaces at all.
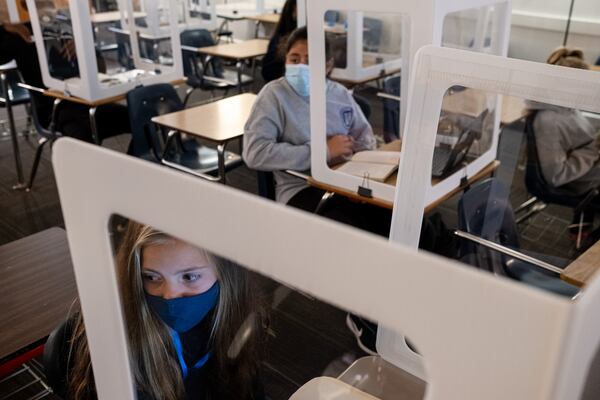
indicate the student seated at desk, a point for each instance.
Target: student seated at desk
{"x":71,"y":119}
{"x":277,"y":134}
{"x":184,"y":311}
{"x":567,"y":144}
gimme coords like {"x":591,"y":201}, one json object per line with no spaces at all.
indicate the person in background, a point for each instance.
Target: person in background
{"x":277,"y":133}
{"x":273,"y":63}
{"x":192,"y":322}
{"x":567,"y":144}
{"x":71,"y":119}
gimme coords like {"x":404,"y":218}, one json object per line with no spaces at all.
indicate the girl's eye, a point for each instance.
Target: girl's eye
{"x":151,"y":278}
{"x":189,"y":277}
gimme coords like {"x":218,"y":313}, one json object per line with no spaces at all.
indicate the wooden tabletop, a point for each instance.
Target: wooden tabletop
{"x":595,"y":67}
{"x":396,"y":146}
{"x":348,"y":82}
{"x":219,"y":121}
{"x":473,"y":102}
{"x":38,"y":288}
{"x":237,"y":51}
{"x":265,"y":18}
{"x":57,"y":94}
{"x":584,"y":267}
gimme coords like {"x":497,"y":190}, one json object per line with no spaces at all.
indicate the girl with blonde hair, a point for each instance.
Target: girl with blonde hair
{"x":192,"y":322}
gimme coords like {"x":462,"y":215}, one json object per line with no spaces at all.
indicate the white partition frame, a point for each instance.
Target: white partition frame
{"x":435,"y":70}
{"x":88,"y":86}
{"x":482,"y":337}
{"x":422,"y":25}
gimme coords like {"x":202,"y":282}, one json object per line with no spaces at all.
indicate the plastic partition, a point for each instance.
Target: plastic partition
{"x":422,"y":25}
{"x":72,"y":59}
{"x":435,"y":70}
{"x":471,"y":328}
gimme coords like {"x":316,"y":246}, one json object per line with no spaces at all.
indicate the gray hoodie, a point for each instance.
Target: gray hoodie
{"x":567,"y":147}
{"x":277,"y":134}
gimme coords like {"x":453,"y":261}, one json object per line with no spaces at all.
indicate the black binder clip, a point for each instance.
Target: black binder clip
{"x":364,"y":190}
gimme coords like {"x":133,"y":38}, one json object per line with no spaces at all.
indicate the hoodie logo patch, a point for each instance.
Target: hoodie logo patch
{"x":347,"y":115}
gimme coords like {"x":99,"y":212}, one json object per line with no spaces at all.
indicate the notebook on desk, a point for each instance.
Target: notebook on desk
{"x":377,"y":165}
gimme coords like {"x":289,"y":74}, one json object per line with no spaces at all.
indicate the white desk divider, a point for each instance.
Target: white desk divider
{"x":200,"y":14}
{"x":16,"y":12}
{"x":435,"y":70}
{"x":423,"y":22}
{"x":252,"y":7}
{"x":481,"y":337}
{"x":148,"y":47}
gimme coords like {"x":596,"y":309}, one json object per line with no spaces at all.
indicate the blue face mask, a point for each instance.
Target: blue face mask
{"x":298,"y":76}
{"x":183,"y":313}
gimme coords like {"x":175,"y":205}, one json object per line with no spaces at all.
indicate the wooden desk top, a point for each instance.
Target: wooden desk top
{"x":111,"y":16}
{"x":473,"y":102}
{"x":38,"y":288}
{"x":595,"y":67}
{"x":57,"y":94}
{"x":355,"y":82}
{"x":396,"y":145}
{"x":220,"y":121}
{"x":265,"y":18}
{"x":584,"y":267}
{"x":237,"y":51}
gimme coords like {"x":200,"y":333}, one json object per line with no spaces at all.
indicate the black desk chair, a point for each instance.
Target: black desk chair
{"x":538,"y":187}
{"x":54,"y":361}
{"x":47,"y":135}
{"x":205,"y":72}
{"x":491,"y":240}
{"x":153,"y":144}
{"x":18,"y":95}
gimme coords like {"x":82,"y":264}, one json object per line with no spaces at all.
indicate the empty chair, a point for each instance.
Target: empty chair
{"x":17,"y":95}
{"x":205,"y":72}
{"x":487,"y":223}
{"x":150,"y":143}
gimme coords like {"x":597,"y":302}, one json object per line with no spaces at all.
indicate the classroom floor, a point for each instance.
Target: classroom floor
{"x":308,"y":337}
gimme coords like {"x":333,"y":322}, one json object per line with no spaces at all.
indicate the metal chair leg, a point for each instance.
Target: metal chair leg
{"x":36,"y":162}
{"x":323,"y":202}
{"x":188,"y":94}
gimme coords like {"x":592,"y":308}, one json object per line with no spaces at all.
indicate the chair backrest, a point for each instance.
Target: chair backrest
{"x":192,"y":67}
{"x":18,"y":94}
{"x":391,"y":109}
{"x":144,"y":103}
{"x":41,"y":113}
{"x":534,"y":178}
{"x":55,"y":350}
{"x":266,"y":184}
{"x":485,"y":211}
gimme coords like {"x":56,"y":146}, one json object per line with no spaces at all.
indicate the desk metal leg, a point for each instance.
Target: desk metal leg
{"x":20,"y":185}
{"x":239,"y":65}
{"x":221,"y":159}
{"x":93,"y":125}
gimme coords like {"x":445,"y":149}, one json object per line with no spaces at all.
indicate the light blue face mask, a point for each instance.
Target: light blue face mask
{"x":298,"y":76}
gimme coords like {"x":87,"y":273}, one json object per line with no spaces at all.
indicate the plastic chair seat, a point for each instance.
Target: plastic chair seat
{"x":525,"y":273}
{"x":205,"y":160}
{"x":18,"y":97}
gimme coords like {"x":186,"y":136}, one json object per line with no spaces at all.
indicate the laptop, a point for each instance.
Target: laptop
{"x":445,"y":159}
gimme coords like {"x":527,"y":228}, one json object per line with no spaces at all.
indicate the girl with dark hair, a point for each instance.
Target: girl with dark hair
{"x":273,"y":63}
{"x":192,"y":324}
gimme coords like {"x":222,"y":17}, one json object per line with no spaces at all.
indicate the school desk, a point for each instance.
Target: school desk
{"x":218,"y":122}
{"x":580,"y":271}
{"x":263,"y":19}
{"x":38,"y":290}
{"x":396,"y":146}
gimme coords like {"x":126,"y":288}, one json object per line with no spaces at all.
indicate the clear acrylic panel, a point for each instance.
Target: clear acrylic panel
{"x":234,"y":333}
{"x":469,"y":29}
{"x":59,"y":42}
{"x":382,"y":38}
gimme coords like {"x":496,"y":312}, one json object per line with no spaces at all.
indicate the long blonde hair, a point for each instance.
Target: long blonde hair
{"x":153,"y":359}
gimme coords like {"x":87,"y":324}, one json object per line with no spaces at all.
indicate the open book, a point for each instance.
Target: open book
{"x":379,"y":165}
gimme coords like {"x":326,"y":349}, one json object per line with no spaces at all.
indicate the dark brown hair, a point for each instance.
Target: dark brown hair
{"x":568,"y":58}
